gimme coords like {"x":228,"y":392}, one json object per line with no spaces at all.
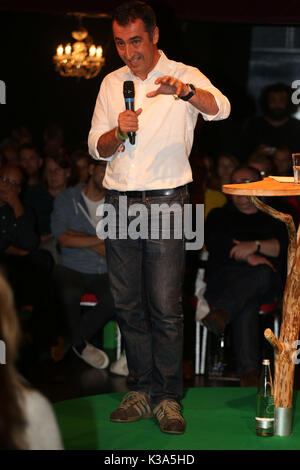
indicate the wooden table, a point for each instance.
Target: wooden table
{"x":285,"y":348}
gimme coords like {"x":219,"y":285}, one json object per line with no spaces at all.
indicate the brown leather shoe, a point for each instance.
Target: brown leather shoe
{"x":169,"y":417}
{"x":216,"y":321}
{"x":134,"y":406}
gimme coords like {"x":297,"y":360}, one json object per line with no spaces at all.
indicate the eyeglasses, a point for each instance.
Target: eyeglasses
{"x":5,"y":180}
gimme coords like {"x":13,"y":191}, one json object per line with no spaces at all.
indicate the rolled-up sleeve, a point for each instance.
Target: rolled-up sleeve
{"x":222,"y":103}
{"x":201,"y":81}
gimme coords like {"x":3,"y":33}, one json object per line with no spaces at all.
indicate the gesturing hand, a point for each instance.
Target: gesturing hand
{"x":169,"y":86}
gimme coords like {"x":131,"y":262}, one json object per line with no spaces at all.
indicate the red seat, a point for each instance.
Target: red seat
{"x":89,"y":300}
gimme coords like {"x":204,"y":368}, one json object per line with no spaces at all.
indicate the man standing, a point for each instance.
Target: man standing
{"x":146,"y":274}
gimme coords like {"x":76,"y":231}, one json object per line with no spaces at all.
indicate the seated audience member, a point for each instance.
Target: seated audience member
{"x":202,"y":189}
{"x":226,"y":164}
{"x":282,"y":161}
{"x":27,"y":268}
{"x":53,"y":139}
{"x":22,"y":134}
{"x":81,"y":266}
{"x":82,"y":158}
{"x":34,"y":195}
{"x":16,"y":224}
{"x":59,"y":174}
{"x":9,"y":151}
{"x":27,"y":421}
{"x":262,"y":162}
{"x":246,"y":268}
{"x":31,"y":163}
{"x":276,"y":126}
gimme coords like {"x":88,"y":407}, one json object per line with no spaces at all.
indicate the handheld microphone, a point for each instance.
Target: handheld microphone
{"x":128,"y":92}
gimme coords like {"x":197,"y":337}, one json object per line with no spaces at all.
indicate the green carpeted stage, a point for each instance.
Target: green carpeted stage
{"x":217,"y":418}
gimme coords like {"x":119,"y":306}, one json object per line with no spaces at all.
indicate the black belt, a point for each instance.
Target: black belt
{"x":146,"y":193}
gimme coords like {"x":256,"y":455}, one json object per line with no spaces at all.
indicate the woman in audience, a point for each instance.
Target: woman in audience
{"x":59,"y":173}
{"x":27,"y":421}
{"x":226,"y":164}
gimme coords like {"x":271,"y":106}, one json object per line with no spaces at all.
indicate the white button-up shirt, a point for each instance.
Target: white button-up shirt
{"x":163,"y":142}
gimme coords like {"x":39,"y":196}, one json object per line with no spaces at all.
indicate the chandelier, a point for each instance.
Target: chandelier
{"x":81,"y":58}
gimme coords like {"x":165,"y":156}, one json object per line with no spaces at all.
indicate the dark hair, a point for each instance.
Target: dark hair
{"x":276,"y":88}
{"x":254,"y":172}
{"x":54,"y":131}
{"x":30,"y":147}
{"x":229,"y":156}
{"x":64,"y":161}
{"x":81,"y":152}
{"x":130,"y":11}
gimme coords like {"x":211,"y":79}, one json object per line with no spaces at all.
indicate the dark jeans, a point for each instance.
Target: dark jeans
{"x":241,"y":289}
{"x":146,"y":278}
{"x":70,"y":286}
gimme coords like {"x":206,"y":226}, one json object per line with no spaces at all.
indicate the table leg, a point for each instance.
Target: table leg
{"x":285,"y":353}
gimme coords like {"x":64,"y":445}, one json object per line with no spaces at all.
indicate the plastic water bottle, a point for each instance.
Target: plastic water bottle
{"x":264,"y":419}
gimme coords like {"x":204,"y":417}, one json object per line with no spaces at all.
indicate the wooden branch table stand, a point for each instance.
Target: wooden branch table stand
{"x":285,"y":347}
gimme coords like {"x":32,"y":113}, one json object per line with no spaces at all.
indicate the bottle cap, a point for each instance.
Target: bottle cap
{"x":266,"y":362}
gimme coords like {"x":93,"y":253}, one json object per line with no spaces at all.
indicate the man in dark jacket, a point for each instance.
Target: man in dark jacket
{"x":246,"y":268}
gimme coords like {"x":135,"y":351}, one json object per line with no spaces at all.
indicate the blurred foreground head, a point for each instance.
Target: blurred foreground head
{"x":12,"y":422}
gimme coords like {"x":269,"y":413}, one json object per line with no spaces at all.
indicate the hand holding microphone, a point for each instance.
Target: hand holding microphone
{"x":128,"y":123}
{"x":128,"y":120}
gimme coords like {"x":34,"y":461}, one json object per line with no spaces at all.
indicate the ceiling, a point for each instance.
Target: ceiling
{"x":256,"y":11}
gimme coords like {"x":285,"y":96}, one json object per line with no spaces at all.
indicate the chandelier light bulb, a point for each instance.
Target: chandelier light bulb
{"x":99,"y":51}
{"x":60,"y":50}
{"x":92,"y":50}
{"x":68,"y":49}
